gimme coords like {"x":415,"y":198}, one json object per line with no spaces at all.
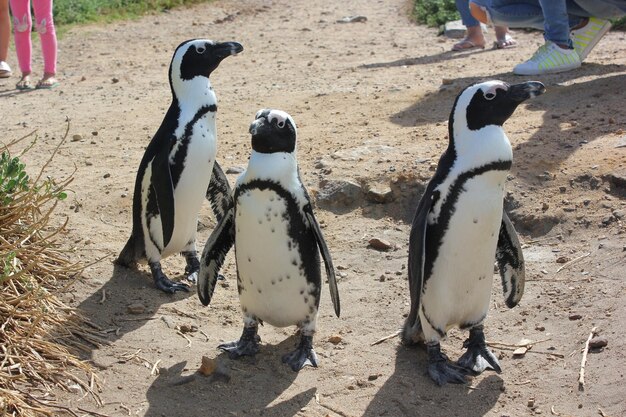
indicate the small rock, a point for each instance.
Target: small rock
{"x":353,"y":19}
{"x":88,"y":163}
{"x":447,"y":81}
{"x":235,"y":170}
{"x":136,"y":308}
{"x":208,"y":366}
{"x":382,"y":278}
{"x":372,"y":377}
{"x":380,"y":244}
{"x":598,"y":342}
{"x":107,"y":175}
{"x":545,"y":206}
{"x":531,"y":403}
{"x":115,"y":80}
{"x":94,"y":133}
{"x":562,"y":189}
{"x":168,"y":321}
{"x":335,"y":339}
{"x":76,"y":138}
{"x":339,"y":193}
{"x":575,"y":316}
{"x":380,"y":194}
{"x":188,"y":328}
{"x":619,"y":214}
{"x":562,"y":259}
{"x":540,"y":328}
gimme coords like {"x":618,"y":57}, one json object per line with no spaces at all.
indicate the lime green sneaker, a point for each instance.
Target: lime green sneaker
{"x":549,"y":59}
{"x":588,"y":36}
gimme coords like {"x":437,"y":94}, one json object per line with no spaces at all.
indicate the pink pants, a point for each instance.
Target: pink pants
{"x":22,"y":25}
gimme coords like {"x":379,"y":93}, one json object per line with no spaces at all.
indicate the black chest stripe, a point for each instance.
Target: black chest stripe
{"x":181,"y":153}
{"x":298,"y":230}
{"x":435,"y":232}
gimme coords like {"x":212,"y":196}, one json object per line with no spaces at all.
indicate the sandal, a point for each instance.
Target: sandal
{"x":24,"y":84}
{"x":505,"y":43}
{"x":5,"y":70}
{"x":47,"y":84}
{"x":466,"y":45}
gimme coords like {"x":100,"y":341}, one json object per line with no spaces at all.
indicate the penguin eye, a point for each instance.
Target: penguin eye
{"x":490,"y":96}
{"x":200,"y":49}
{"x":281,"y":124}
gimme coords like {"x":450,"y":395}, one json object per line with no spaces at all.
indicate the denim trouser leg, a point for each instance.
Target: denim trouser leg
{"x":466,"y":17}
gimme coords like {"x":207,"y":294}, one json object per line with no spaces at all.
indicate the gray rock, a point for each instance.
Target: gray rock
{"x":235,"y":170}
{"x":338,"y":193}
{"x":380,"y":244}
{"x":379,"y":194}
{"x":456,"y":29}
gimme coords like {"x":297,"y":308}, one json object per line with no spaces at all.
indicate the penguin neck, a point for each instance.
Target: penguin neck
{"x":194,"y":94}
{"x":475,"y":148}
{"x":280,"y":167}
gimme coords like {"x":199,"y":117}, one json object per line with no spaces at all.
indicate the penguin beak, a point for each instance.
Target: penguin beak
{"x":226,"y":49}
{"x":522,"y":92}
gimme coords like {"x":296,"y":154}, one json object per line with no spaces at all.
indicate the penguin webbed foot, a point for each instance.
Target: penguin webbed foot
{"x":247,"y":345}
{"x":303,"y":355}
{"x":441,"y":369}
{"x":162,"y":282}
{"x":478,"y":357}
{"x":193,"y":266}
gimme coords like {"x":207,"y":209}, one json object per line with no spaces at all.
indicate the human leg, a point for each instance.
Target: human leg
{"x":474,"y":37}
{"x":5,"y":35}
{"x":44,"y":24}
{"x":511,"y":13}
{"x":22,"y":26}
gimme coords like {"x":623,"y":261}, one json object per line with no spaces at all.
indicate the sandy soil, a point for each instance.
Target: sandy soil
{"x":371,"y":101}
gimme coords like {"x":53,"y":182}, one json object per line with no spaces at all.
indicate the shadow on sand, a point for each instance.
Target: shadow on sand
{"x":410,"y":392}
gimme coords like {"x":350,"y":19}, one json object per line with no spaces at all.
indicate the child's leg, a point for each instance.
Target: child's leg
{"x":47,"y":34}
{"x":22,"y":26}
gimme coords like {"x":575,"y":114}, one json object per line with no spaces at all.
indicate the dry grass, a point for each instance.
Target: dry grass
{"x":40,"y":336}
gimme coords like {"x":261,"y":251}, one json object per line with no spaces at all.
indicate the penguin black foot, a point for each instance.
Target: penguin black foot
{"x":441,"y":370}
{"x":162,"y":282}
{"x":303,"y":355}
{"x":478,"y":357}
{"x":193,"y":266}
{"x":247,"y":345}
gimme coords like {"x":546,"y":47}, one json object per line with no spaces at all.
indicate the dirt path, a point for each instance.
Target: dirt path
{"x":371,"y":107}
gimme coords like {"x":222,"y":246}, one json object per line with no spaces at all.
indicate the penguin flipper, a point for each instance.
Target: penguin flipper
{"x":217,"y":246}
{"x":219,"y":193}
{"x":328,"y":262}
{"x":417,"y":248}
{"x":510,"y":261}
{"x":163,"y":187}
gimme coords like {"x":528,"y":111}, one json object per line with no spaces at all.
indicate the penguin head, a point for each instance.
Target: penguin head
{"x":199,"y":58}
{"x":490,"y":103}
{"x":273,"y":131}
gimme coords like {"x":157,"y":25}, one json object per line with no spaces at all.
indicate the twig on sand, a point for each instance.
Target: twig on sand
{"x":183,"y":335}
{"x":581,"y":375}
{"x":565,"y":265}
{"x":391,"y":336}
{"x":554,"y":413}
{"x":93,"y":413}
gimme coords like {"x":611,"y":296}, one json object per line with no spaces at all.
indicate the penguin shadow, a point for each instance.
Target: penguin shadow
{"x":128,"y":289}
{"x":410,"y":391}
{"x":247,"y":386}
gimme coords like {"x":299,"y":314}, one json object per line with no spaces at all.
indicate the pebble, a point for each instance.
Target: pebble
{"x":562,"y":259}
{"x":235,"y":170}
{"x":380,"y":244}
{"x":575,"y":316}
{"x":76,"y":138}
{"x":168,"y":321}
{"x":372,"y":377}
{"x":107,"y":175}
{"x":598,"y":342}
{"x":208,"y":366}
{"x":335,"y":339}
{"x":531,"y":403}
{"x":115,"y":80}
{"x":188,"y":328}
{"x":136,"y":308}
{"x":380,"y":194}
{"x":382,"y":278}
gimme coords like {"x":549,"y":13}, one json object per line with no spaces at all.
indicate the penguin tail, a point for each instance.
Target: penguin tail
{"x":130,"y":254}
{"x":412,"y":333}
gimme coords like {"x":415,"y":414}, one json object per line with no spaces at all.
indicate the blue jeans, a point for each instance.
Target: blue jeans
{"x":466,"y":17}
{"x":554,"y":17}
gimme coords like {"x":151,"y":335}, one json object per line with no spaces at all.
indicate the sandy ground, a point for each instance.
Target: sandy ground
{"x":371,"y":101}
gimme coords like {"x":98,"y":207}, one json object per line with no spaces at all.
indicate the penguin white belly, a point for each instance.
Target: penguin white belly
{"x":459,"y":290}
{"x":273,"y":286}
{"x":191,"y":189}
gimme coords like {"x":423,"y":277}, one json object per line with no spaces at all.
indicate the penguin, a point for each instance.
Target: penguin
{"x":460,"y":229}
{"x":277,"y":243}
{"x":178,"y":169}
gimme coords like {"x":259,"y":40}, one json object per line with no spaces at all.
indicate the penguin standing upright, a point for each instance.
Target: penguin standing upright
{"x":460,"y":228}
{"x":277,"y":244}
{"x":178,"y":169}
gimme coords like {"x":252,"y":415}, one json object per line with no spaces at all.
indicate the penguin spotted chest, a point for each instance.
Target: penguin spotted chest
{"x":178,"y":170}
{"x":273,"y":273}
{"x":277,"y":243}
{"x":460,"y":228}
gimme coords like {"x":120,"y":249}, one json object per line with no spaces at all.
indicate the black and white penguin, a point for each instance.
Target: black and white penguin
{"x":277,"y":244}
{"x":178,"y":169}
{"x":460,"y":228}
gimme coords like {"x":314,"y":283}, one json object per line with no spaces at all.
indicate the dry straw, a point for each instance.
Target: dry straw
{"x":40,"y":336}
